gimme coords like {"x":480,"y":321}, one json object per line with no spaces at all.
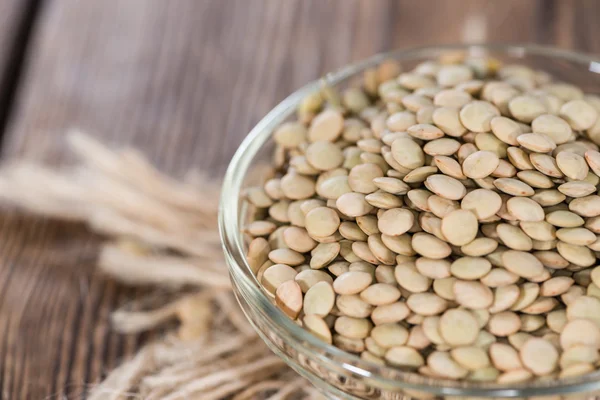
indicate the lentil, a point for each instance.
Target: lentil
{"x":437,"y":222}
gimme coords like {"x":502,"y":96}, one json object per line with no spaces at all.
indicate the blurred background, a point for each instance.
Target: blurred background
{"x":183,"y":81}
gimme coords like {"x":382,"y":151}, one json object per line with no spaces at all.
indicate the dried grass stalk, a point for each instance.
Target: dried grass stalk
{"x":150,"y":269}
{"x":160,"y":232}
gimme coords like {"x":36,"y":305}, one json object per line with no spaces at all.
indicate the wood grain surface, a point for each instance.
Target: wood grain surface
{"x":183,"y":80}
{"x":15,"y":21}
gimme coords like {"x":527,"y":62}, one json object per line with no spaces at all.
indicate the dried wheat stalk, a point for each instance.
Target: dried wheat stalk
{"x":159,"y":232}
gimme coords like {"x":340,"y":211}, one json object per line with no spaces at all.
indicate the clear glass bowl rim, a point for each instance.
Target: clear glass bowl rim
{"x":233,"y":248}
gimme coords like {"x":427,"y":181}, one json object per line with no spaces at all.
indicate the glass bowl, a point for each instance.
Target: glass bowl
{"x":336,"y":373}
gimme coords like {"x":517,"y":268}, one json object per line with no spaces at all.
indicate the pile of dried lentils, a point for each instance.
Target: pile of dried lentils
{"x":442,"y":220}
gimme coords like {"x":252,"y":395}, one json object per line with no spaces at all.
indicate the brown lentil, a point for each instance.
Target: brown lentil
{"x":443,"y":220}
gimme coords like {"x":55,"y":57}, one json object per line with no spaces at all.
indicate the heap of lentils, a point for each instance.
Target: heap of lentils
{"x":442,"y":220}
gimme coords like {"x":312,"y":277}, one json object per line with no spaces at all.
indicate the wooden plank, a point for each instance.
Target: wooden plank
{"x":11,"y":14}
{"x":16,"y":17}
{"x":183,"y":80}
{"x":576,"y":24}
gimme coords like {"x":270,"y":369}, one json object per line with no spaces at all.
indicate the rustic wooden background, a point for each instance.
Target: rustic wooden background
{"x":184,"y":80}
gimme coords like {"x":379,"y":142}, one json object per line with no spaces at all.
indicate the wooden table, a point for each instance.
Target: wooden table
{"x":184,"y":80}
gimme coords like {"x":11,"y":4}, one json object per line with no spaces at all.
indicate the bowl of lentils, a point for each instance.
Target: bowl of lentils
{"x":424,"y":224}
